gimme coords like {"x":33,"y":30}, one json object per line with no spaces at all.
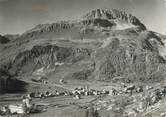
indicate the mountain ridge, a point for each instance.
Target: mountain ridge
{"x":113,"y":19}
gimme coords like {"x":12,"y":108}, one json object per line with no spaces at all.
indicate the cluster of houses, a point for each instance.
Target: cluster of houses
{"x":86,"y":91}
{"x":49,"y":94}
{"x":152,"y":97}
{"x":77,"y":93}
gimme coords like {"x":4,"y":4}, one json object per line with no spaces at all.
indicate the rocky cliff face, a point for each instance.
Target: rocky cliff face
{"x":113,"y":16}
{"x":48,"y":56}
{"x":136,"y":59}
{"x":93,"y":47}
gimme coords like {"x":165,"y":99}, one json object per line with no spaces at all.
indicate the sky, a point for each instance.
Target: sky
{"x":17,"y":16}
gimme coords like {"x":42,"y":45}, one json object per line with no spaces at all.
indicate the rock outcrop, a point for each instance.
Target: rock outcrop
{"x":112,"y":16}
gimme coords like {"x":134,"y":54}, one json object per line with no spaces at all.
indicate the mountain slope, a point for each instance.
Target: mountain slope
{"x":102,"y":45}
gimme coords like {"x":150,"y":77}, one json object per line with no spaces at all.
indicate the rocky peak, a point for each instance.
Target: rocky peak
{"x":109,"y":14}
{"x":98,"y":13}
{"x":113,"y":14}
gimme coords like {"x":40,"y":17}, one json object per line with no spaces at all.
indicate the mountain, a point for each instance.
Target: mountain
{"x":102,"y":45}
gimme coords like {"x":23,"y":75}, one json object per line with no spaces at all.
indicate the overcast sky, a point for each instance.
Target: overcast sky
{"x":17,"y":16}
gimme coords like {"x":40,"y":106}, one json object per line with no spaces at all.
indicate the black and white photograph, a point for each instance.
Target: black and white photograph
{"x":82,"y":58}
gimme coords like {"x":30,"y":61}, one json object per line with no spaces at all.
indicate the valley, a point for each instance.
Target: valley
{"x":105,"y":64}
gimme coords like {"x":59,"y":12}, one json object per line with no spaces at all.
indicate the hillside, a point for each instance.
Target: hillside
{"x":102,"y":45}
